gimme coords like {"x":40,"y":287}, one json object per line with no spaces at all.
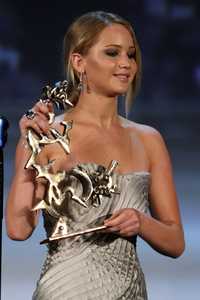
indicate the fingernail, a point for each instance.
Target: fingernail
{"x":105,"y":222}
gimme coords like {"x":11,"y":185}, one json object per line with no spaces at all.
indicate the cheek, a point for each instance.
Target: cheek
{"x":98,"y":71}
{"x":98,"y":65}
{"x":134,"y":69}
{"x":92,"y":69}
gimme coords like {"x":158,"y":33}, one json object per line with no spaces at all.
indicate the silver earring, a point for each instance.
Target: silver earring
{"x":80,"y":85}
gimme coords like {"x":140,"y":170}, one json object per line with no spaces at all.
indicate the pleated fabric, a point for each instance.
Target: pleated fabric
{"x":97,"y":265}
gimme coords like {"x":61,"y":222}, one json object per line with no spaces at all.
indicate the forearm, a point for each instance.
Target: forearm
{"x":166,"y":238}
{"x":20,"y":220}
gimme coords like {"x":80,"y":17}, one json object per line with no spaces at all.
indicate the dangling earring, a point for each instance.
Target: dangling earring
{"x":80,"y":85}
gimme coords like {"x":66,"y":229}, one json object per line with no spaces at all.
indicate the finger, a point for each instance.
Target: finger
{"x":37,"y":124}
{"x":47,"y":112}
{"x":42,"y":108}
{"x":42,"y":124}
{"x":119,"y":217}
{"x":35,"y":127}
{"x":112,"y":229}
{"x":134,"y":225}
{"x":50,"y":106}
{"x":114,"y":215}
{"x":24,"y":124}
{"x":41,"y":116}
{"x":127,"y":223}
{"x":128,"y":232}
{"x":48,"y":103}
{"x":116,"y":220}
{"x":128,"y":211}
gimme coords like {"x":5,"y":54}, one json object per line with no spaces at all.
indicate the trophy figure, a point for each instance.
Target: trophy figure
{"x":60,"y":188}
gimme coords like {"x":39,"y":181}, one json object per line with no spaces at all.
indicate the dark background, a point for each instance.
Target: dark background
{"x":31,"y":34}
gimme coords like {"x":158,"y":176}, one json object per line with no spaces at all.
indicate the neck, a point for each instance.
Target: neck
{"x":97,"y":109}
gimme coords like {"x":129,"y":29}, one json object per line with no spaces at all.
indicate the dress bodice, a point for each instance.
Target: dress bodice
{"x":133,"y":193}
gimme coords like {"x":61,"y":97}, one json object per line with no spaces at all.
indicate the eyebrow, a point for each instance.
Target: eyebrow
{"x":119,"y":46}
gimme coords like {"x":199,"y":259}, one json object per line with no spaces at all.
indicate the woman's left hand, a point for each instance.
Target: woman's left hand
{"x":125,"y":222}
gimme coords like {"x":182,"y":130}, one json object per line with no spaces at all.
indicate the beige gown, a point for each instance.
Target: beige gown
{"x":97,"y":265}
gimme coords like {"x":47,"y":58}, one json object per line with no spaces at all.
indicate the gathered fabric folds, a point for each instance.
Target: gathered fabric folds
{"x":99,"y":265}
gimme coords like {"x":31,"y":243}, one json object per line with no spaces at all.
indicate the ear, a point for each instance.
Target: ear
{"x":77,"y":62}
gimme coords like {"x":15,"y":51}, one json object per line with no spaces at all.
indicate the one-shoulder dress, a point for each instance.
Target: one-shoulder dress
{"x":101,"y":266}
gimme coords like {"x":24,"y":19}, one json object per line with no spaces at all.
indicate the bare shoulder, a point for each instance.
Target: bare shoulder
{"x":150,"y":137}
{"x":146,"y":132}
{"x":153,"y":143}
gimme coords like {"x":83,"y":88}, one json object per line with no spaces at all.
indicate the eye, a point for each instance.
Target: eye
{"x":131,"y":55}
{"x":111,"y":52}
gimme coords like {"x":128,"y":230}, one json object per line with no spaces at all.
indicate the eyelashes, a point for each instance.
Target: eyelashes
{"x":132,"y":55}
{"x":111,"y":53}
{"x":115,"y":53}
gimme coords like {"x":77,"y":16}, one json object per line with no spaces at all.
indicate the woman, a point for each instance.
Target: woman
{"x":102,"y":61}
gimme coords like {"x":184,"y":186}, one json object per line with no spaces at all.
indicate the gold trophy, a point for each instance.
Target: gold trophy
{"x":60,"y":189}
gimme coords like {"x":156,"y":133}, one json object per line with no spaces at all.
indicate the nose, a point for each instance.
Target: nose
{"x":124,"y":61}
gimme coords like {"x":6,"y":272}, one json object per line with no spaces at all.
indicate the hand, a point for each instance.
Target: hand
{"x":40,"y":122}
{"x":125,"y":222}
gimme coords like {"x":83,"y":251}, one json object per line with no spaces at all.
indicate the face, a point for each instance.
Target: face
{"x":110,"y":64}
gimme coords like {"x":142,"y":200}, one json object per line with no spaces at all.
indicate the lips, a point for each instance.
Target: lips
{"x":122,"y":77}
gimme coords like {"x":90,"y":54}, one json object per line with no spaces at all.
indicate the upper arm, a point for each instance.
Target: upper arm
{"x":163,"y":197}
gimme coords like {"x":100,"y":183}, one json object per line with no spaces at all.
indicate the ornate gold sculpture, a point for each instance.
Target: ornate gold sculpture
{"x":94,"y":185}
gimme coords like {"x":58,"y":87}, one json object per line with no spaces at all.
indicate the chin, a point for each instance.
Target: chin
{"x":118,"y":91}
{"x":121,"y":92}
{"x":116,"y":94}
{"x":122,"y":89}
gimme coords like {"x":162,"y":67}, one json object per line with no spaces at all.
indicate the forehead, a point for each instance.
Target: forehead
{"x":115,"y":34}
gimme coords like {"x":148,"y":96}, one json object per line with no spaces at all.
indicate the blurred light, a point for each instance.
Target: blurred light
{"x":3,"y":131}
{"x":182,"y":11}
{"x":156,"y":7}
{"x":197,"y":75}
{"x":10,"y":57}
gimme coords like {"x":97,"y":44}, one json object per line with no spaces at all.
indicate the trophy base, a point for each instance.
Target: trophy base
{"x":72,"y":234}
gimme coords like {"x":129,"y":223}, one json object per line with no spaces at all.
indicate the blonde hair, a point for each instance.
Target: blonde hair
{"x":82,"y":35}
